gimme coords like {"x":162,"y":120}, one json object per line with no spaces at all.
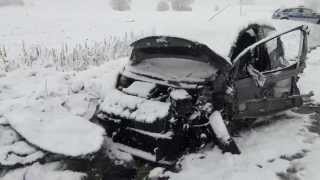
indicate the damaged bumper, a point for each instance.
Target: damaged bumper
{"x":163,"y":148}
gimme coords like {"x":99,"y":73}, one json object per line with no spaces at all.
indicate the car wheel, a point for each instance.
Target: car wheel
{"x":318,"y":22}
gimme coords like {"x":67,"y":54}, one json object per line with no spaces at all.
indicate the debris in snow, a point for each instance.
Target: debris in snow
{"x":180,"y":94}
{"x":258,"y":77}
{"x":226,"y":143}
{"x":118,"y":157}
{"x":219,"y":127}
{"x":157,"y":173}
{"x":139,"y":88}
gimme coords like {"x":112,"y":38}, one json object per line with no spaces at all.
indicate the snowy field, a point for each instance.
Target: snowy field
{"x":47,"y":99}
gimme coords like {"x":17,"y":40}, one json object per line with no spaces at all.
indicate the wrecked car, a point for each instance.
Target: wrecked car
{"x":299,"y":14}
{"x":176,"y":95}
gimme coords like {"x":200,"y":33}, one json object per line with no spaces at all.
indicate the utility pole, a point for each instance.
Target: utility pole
{"x":240,"y":7}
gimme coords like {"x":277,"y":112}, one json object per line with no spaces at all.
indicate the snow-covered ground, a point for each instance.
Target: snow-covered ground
{"x":267,"y":151}
{"x":44,"y":110}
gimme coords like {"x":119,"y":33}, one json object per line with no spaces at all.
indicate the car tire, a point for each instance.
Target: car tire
{"x":284,"y":18}
{"x":318,"y":22}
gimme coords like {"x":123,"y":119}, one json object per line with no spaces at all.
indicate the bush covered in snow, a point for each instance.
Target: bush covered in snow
{"x":163,"y":6}
{"x":120,"y":5}
{"x":10,"y":2}
{"x":78,"y":57}
{"x":181,"y":5}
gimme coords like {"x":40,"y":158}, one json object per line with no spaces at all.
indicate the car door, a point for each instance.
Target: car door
{"x":277,"y":89}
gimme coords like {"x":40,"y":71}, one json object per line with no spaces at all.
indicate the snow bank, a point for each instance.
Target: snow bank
{"x":55,"y":130}
{"x":309,"y":165}
{"x":14,"y":151}
{"x":50,"y":109}
{"x":19,"y":153}
{"x":309,"y":79}
{"x":261,"y":150}
{"x":43,"y":172}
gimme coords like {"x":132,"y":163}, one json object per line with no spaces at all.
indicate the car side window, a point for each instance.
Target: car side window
{"x":284,"y":50}
{"x":307,"y":11}
{"x":276,"y":54}
{"x":276,"y":51}
{"x":296,"y":11}
{"x":286,"y":10}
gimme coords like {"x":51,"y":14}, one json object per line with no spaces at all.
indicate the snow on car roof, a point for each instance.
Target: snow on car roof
{"x":293,"y":7}
{"x":219,"y":35}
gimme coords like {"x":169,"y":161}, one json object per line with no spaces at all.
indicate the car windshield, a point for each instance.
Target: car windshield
{"x":174,"y":69}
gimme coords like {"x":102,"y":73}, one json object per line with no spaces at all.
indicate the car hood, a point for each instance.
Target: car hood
{"x":174,"y":61}
{"x":173,"y":70}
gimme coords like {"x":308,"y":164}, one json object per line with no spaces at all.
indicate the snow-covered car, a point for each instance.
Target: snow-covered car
{"x":176,"y":95}
{"x":298,"y":13}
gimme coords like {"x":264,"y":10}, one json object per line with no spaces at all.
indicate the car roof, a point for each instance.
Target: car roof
{"x":296,"y":7}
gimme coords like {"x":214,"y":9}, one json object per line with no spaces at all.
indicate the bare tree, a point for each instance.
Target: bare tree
{"x":120,"y":5}
{"x":163,"y":6}
{"x":181,"y":5}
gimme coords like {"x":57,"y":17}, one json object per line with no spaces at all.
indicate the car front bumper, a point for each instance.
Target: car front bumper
{"x":162,"y":148}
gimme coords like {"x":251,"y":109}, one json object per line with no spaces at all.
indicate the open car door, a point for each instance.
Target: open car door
{"x":265,"y":74}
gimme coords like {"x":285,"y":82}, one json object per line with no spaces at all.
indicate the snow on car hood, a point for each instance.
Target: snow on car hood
{"x":132,"y":107}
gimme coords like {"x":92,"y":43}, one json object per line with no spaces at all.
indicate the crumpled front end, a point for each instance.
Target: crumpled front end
{"x":156,"y":123}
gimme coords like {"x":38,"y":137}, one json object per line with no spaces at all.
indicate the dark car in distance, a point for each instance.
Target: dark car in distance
{"x":298,"y":14}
